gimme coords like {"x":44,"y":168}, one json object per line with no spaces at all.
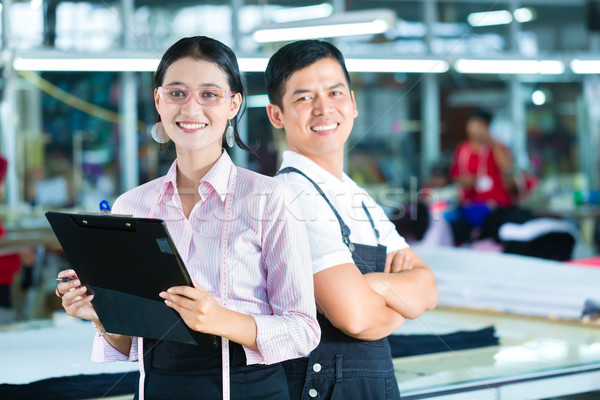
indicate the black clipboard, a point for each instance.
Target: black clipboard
{"x":126,"y":262}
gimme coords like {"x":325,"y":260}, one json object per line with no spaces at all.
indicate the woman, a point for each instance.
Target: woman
{"x":247,"y":254}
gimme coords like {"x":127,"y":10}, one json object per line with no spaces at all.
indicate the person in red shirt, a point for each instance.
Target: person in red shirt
{"x":479,"y":167}
{"x":480,"y":164}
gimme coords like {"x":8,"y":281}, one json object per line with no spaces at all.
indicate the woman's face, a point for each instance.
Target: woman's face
{"x":193,"y":126}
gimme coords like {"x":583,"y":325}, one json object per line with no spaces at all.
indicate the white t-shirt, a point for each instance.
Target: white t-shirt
{"x":324,"y":233}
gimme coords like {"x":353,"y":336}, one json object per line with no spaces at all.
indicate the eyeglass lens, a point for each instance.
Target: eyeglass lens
{"x":204,"y":96}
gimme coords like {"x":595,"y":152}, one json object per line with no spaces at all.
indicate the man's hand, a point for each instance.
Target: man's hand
{"x":397,"y":261}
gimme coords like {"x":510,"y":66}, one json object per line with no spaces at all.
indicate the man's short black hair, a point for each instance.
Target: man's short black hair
{"x":294,"y":56}
{"x":482,"y":114}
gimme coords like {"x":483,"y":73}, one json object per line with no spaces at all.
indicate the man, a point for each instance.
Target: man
{"x":481,"y":163}
{"x":367,"y":280}
{"x":481,"y":168}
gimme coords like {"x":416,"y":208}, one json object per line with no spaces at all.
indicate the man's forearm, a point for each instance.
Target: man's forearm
{"x":410,"y":293}
{"x":383,"y":325}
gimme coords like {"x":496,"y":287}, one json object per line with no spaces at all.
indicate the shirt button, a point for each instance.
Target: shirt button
{"x":313,"y":393}
{"x":317,"y":367}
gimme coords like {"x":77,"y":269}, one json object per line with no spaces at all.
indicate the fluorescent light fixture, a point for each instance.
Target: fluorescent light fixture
{"x":257,"y":101}
{"x":524,"y":14}
{"x":585,"y":66}
{"x":501,"y":17}
{"x":550,"y":67}
{"x":78,"y":62}
{"x":301,"y":13}
{"x":81,"y":63}
{"x":488,"y":18}
{"x":85,"y":64}
{"x":311,"y":32}
{"x":35,"y":4}
{"x":342,"y":24}
{"x":253,"y":64}
{"x":363,"y":65}
{"x":389,"y":65}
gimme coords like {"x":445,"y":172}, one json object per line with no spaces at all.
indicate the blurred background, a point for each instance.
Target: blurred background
{"x":77,"y":98}
{"x":77,"y":104}
{"x":76,"y":108}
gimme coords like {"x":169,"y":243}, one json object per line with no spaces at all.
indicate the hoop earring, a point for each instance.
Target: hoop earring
{"x":158,"y":133}
{"x":229,"y":134}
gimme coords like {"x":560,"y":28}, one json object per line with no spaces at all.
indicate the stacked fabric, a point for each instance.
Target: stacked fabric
{"x":510,"y":283}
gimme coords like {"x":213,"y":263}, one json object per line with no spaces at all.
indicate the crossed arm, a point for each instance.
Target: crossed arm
{"x":408,"y":285}
{"x":372,"y":306}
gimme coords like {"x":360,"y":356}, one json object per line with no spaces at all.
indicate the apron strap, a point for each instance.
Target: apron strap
{"x":375,"y":230}
{"x":343,"y":227}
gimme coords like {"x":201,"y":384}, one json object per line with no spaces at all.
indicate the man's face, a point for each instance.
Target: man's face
{"x":318,"y":109}
{"x":477,"y":129}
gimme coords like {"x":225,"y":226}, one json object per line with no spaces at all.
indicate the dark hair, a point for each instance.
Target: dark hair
{"x":294,"y":56}
{"x":207,"y":49}
{"x":484,"y":115}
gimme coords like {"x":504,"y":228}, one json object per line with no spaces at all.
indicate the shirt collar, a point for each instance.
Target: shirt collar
{"x":216,"y":178}
{"x":312,"y":169}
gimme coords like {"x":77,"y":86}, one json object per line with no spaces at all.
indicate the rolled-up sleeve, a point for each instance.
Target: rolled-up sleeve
{"x":102,"y":351}
{"x":292,"y":330}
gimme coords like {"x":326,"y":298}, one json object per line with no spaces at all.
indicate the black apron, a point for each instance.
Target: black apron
{"x":180,"y":372}
{"x":343,"y":367}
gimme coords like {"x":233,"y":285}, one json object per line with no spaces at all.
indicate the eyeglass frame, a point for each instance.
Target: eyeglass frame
{"x":196,"y":93}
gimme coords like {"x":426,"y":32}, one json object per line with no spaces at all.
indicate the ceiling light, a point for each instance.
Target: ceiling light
{"x":85,"y":64}
{"x":77,"y":62}
{"x":487,"y":18}
{"x":341,"y":24}
{"x":501,"y":17}
{"x":301,"y":13}
{"x":585,"y":66}
{"x":253,"y":64}
{"x":551,"y":67}
{"x":389,"y":65}
{"x":524,"y":15}
{"x":257,"y":101}
{"x":35,"y":4}
{"x":538,"y":97}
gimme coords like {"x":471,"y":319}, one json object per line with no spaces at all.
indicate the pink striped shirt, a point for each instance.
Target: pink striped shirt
{"x":270,"y":276}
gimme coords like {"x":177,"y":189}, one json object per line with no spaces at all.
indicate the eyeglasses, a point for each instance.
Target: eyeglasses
{"x":204,"y":96}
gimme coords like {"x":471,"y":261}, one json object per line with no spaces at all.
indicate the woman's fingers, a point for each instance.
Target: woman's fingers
{"x":65,"y":286}
{"x":184,"y":297}
{"x":196,"y":306}
{"x":74,"y":296}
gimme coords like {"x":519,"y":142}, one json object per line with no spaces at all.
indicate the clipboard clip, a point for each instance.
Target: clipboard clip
{"x":105,"y":207}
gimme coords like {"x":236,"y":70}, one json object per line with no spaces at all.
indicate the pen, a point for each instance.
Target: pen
{"x":67,"y":279}
{"x":105,"y":207}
